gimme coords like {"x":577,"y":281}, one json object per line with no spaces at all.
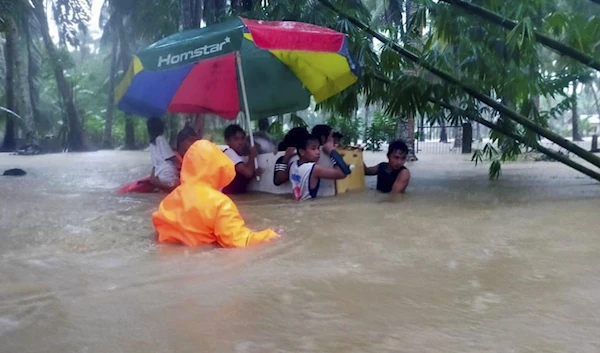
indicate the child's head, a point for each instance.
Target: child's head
{"x":263,"y":124}
{"x":293,"y":138}
{"x":185,"y":139}
{"x":337,"y":138}
{"x":308,"y":149}
{"x":321,"y":132}
{"x":397,"y":153}
{"x":235,"y":138}
{"x":155,"y":127}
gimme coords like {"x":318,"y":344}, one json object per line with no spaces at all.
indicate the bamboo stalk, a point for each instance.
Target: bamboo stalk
{"x":557,"y":156}
{"x":516,"y":137}
{"x":568,"y":145}
{"x":557,"y":46}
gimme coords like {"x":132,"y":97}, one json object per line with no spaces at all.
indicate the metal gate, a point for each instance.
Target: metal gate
{"x":436,"y":139}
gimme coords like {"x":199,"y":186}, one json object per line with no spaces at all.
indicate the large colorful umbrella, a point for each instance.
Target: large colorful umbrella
{"x":258,"y":67}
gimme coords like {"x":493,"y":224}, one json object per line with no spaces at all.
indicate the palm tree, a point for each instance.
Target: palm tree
{"x":12,"y":22}
{"x":116,"y":16}
{"x":9,"y":143}
{"x":75,"y":135}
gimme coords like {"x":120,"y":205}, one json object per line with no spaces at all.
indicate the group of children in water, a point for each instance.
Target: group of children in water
{"x":198,"y":175}
{"x":299,"y":165}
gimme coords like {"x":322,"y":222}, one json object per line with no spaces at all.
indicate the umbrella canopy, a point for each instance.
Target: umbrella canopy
{"x":195,"y":71}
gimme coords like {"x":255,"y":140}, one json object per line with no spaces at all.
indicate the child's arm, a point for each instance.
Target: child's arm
{"x":371,"y":170}
{"x":176,"y":162}
{"x":230,"y":229}
{"x":156,"y":182}
{"x":247,"y":169}
{"x":282,"y":168}
{"x":334,"y":173}
{"x":401,"y":182}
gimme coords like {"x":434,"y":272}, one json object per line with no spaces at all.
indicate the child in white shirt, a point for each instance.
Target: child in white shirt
{"x":164,"y":162}
{"x":306,"y":174}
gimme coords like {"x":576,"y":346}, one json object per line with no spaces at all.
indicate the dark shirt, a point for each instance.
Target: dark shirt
{"x":385,"y":178}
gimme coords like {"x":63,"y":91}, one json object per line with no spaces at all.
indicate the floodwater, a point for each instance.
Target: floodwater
{"x":459,"y":264}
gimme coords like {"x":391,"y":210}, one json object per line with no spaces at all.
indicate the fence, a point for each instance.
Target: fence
{"x":437,"y":139}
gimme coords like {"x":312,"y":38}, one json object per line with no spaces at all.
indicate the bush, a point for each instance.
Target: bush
{"x":349,"y":127}
{"x":383,"y":128}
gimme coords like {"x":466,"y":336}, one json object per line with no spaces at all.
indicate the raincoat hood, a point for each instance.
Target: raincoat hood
{"x":204,"y":162}
{"x":196,"y":212}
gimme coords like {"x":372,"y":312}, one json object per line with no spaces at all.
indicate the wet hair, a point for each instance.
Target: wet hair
{"x":293,"y":138}
{"x":306,"y":140}
{"x":232,"y":130}
{"x":397,"y":145}
{"x":263,"y":124}
{"x":186,"y":133}
{"x":155,"y":127}
{"x":321,"y":131}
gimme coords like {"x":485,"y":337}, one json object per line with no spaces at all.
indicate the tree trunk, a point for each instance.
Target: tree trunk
{"x":367,"y":120}
{"x":575,"y":115}
{"x":186,"y":13}
{"x":75,"y":140}
{"x":200,"y":124}
{"x":9,"y":143}
{"x":595,"y":95}
{"x":125,"y":60}
{"x":32,"y":74}
{"x":214,"y":10}
{"x":129,"y":133}
{"x":22,"y":95}
{"x":443,"y":132}
{"x":110,"y":107}
{"x":406,"y":132}
{"x":198,"y":13}
{"x":241,"y":5}
{"x":2,"y":63}
{"x":458,"y":137}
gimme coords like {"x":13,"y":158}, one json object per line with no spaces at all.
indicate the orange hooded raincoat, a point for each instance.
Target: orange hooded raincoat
{"x":196,"y":212}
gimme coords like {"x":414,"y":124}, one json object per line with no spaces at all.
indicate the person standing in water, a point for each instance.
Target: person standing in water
{"x":185,"y":138}
{"x":235,"y":138}
{"x":393,"y":176}
{"x":306,"y":174}
{"x":164,"y":161}
{"x":196,"y":212}
{"x":290,"y":143}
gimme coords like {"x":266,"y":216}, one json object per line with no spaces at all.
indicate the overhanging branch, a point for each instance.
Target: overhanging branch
{"x":568,"y":145}
{"x":558,"y":47}
{"x":521,"y":139}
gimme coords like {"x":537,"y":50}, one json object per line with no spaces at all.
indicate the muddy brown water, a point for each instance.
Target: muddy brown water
{"x":459,"y":264}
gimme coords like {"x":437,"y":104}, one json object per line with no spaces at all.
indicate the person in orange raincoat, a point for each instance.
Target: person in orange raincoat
{"x":196,"y":212}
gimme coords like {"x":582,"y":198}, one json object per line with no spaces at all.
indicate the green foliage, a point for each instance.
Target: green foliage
{"x":350,"y":127}
{"x":279,"y":127}
{"x":71,"y":17}
{"x":382,"y":129}
{"x":507,"y":65}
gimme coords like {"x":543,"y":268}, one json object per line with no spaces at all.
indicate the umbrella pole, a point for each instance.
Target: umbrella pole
{"x":238,"y":59}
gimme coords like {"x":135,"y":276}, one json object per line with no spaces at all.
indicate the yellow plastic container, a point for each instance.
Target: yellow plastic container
{"x":356,"y":180}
